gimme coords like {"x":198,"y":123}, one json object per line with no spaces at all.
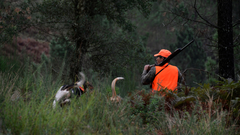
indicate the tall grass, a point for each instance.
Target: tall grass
{"x":92,"y":113}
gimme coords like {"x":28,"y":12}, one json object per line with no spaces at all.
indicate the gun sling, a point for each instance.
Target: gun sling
{"x":158,"y":73}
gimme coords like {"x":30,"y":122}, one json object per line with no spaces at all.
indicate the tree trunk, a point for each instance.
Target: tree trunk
{"x":225,"y":39}
{"x":81,"y":42}
{"x":76,"y":59}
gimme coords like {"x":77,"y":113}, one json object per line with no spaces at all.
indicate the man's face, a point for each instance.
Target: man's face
{"x":159,"y":59}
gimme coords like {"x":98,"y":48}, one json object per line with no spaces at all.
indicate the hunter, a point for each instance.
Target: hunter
{"x":166,"y":77}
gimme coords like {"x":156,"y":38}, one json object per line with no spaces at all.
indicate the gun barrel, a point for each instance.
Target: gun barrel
{"x":175,"y":53}
{"x":187,"y":45}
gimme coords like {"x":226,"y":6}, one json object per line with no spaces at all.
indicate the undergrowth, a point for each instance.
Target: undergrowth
{"x":206,"y":110}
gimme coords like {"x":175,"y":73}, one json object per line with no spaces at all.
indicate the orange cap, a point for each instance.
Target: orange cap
{"x":163,"y":52}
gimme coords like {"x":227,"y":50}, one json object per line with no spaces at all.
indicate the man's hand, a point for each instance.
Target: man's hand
{"x":147,"y":67}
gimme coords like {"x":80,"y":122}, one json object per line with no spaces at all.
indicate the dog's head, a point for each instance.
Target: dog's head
{"x":85,"y":85}
{"x":79,"y":87}
{"x":81,"y":90}
{"x":77,"y":84}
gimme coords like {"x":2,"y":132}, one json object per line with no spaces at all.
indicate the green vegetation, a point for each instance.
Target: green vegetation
{"x":26,"y":108}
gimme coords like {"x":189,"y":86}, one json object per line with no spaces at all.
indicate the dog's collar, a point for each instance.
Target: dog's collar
{"x":81,"y":88}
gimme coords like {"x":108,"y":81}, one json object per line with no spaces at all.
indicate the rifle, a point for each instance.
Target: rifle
{"x":176,"y":52}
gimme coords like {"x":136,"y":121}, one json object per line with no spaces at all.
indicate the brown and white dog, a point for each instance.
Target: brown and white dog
{"x":115,"y":97}
{"x":63,"y":95}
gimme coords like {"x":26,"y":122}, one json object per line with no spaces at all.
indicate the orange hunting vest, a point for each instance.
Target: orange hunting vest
{"x":167,"y":78}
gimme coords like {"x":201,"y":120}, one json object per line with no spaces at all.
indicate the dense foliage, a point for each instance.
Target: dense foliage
{"x":100,"y":32}
{"x":15,"y":18}
{"x":26,"y":108}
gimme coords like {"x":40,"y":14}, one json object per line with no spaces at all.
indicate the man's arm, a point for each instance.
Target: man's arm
{"x":180,"y":77}
{"x":147,"y":77}
{"x":180,"y":81}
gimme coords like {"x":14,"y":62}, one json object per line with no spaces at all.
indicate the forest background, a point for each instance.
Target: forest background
{"x":117,"y":38}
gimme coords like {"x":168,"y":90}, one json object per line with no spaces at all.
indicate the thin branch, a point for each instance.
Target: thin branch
{"x":237,"y":23}
{"x":236,"y":38}
{"x":207,"y":22}
{"x":170,"y":21}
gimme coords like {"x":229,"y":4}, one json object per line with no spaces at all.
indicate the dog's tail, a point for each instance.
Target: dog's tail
{"x":113,"y":86}
{"x":82,"y":80}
